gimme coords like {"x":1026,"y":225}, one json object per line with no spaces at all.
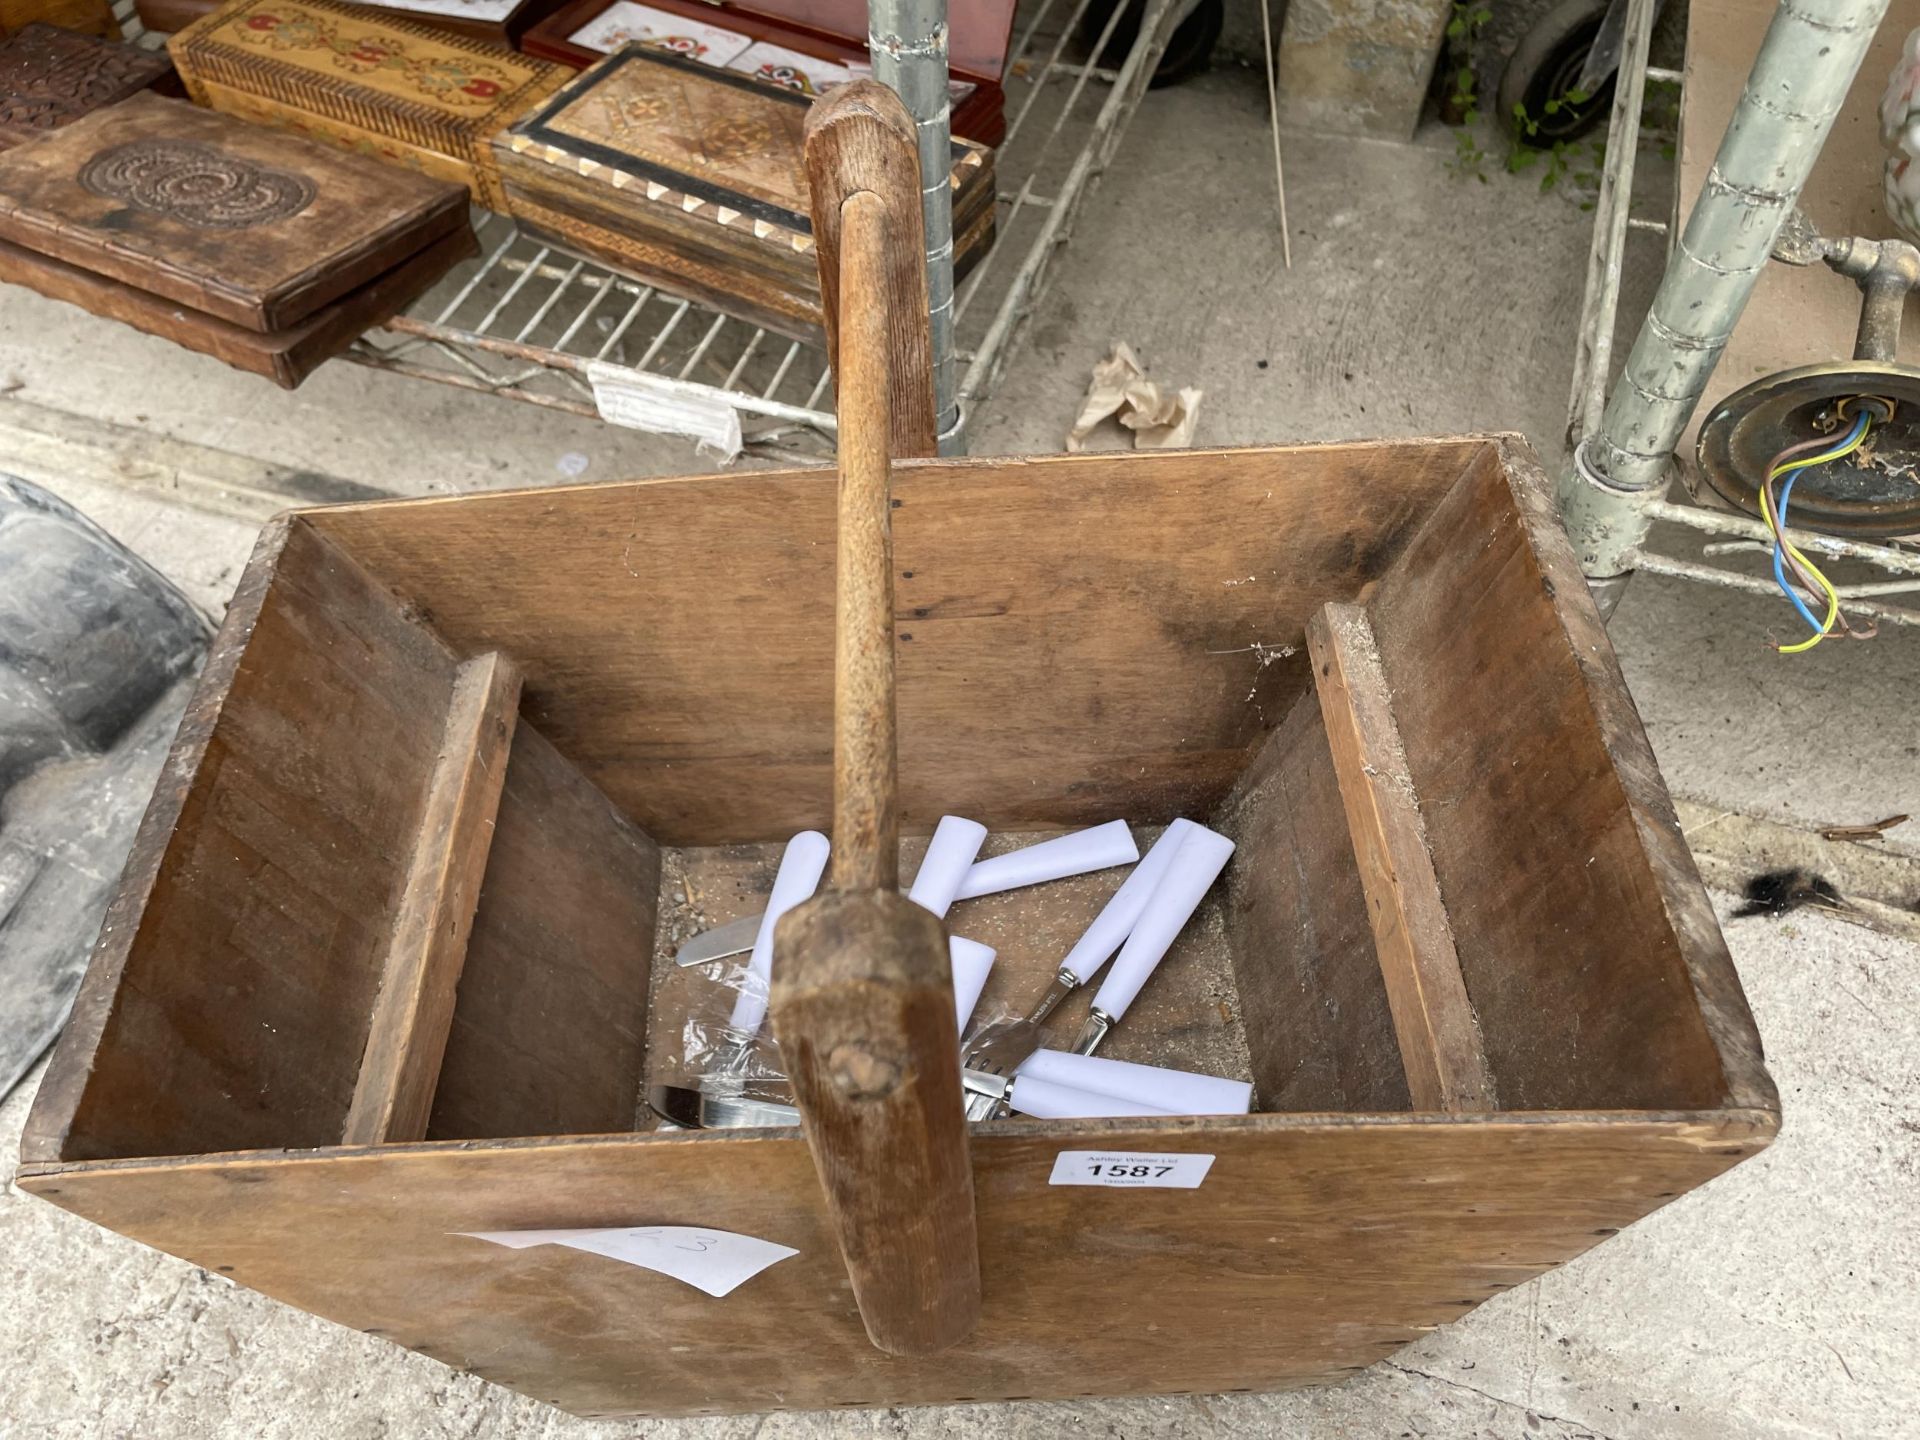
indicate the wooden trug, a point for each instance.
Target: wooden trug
{"x":1461,"y":948}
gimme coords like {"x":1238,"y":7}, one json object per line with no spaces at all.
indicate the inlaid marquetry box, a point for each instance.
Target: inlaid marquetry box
{"x":1461,"y":949}
{"x":690,"y":178}
{"x":367,"y":80}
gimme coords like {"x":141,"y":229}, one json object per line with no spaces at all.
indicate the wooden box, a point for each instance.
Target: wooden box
{"x":365,"y":80}
{"x":167,"y":17}
{"x":51,"y":77}
{"x":690,"y":178}
{"x":831,"y":30}
{"x":87,"y":17}
{"x":263,"y":249}
{"x":502,"y":22}
{"x":1376,"y":666}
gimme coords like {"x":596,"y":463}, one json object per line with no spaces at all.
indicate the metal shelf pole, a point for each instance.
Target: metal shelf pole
{"x":1798,"y":83}
{"x":908,"y":42}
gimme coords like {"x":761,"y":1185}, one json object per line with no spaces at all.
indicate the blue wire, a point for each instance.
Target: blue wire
{"x":1779,"y":568}
{"x":1780,"y":514}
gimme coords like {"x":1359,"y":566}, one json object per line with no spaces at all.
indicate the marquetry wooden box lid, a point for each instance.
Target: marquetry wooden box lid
{"x":683,"y":139}
{"x":252,"y":226}
{"x":372,"y":70}
{"x":51,"y":77}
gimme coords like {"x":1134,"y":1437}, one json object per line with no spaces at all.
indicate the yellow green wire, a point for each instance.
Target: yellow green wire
{"x":1839,"y":452}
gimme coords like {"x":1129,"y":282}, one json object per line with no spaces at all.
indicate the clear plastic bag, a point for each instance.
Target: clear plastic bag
{"x":719,"y":1057}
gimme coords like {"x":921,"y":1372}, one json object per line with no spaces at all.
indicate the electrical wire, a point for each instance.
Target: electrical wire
{"x":1789,"y":463}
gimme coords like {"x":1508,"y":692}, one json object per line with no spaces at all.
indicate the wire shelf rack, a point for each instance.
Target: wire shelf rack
{"x":525,"y":320}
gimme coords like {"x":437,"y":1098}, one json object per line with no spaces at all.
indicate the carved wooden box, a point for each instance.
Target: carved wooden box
{"x":690,"y":178}
{"x":51,"y":77}
{"x":366,"y":80}
{"x":259,"y":247}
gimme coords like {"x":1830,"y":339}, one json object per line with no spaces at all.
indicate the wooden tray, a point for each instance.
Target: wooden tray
{"x":293,"y":226}
{"x":51,"y":77}
{"x":286,"y":356}
{"x":677,"y":638}
{"x":365,"y":80}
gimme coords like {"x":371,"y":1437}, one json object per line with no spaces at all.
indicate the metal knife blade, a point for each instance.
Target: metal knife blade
{"x":736,"y":937}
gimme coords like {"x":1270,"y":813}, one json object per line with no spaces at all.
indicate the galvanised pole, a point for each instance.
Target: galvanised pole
{"x":1798,"y":83}
{"x":908,"y":41}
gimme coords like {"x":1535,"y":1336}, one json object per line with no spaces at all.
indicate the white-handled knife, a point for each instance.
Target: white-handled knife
{"x":801,"y":866}
{"x":950,"y":854}
{"x":1099,"y":848}
{"x":1114,"y":923}
{"x":1178,"y":1092}
{"x":1195,"y":866}
{"x":1084,"y":851}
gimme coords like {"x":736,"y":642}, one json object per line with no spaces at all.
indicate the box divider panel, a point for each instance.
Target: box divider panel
{"x":407,"y":1038}
{"x":1433,"y":1019}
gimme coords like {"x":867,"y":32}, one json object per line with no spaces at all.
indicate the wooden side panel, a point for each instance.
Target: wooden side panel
{"x":1077,"y":634}
{"x":1432,"y":1017}
{"x":549,"y":1028}
{"x":286,"y":357}
{"x":232,"y":1010}
{"x":1589,"y":949}
{"x":1322,"y":1242}
{"x":1318,"y":1024}
{"x":407,"y":1035}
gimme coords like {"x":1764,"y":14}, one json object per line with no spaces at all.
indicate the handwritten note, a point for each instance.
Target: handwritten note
{"x":716,"y":1261}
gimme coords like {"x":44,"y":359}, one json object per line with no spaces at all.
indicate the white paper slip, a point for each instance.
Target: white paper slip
{"x":716,"y":1261}
{"x":662,"y":405}
{"x":491,"y":12}
{"x":1130,"y":1170}
{"x":626,"y":22}
{"x":791,"y":69}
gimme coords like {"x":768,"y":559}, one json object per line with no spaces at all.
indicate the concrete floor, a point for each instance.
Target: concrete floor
{"x":1778,"y":1301}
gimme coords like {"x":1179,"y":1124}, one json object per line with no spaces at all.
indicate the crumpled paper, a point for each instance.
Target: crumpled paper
{"x":1159,"y":419}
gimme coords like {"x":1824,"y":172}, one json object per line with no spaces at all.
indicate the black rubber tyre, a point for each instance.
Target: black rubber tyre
{"x":1189,"y":52}
{"x":1544,"y":67}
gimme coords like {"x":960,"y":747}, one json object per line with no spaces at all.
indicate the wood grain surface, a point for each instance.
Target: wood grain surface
{"x":861,"y":139}
{"x":361,"y":218}
{"x":1432,"y":1017}
{"x":231,"y":1011}
{"x":285,"y":357}
{"x":1095,"y":636}
{"x":1080,"y":637}
{"x":549,"y":1027}
{"x":979,"y":117}
{"x":636,"y":164}
{"x":407,"y":1034}
{"x":1580,"y":922}
{"x":166,"y":17}
{"x":51,"y":77}
{"x":433,"y":102}
{"x":862,"y":990}
{"x":1319,"y":1030}
{"x":88,"y":17}
{"x":1317,"y":1245}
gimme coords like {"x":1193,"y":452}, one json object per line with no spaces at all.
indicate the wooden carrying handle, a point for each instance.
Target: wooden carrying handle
{"x":862,"y":993}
